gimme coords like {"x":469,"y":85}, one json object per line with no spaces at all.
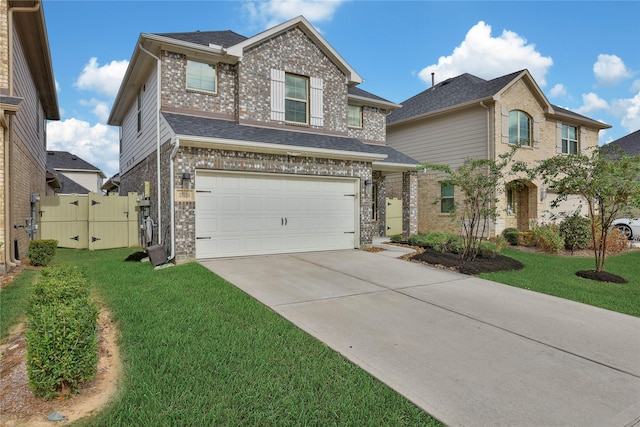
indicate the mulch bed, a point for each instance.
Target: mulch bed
{"x":479,"y":265}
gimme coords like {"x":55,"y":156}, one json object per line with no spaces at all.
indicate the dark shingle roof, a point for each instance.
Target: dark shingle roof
{"x":629,"y":144}
{"x":229,"y":130}
{"x":221,"y":38}
{"x":449,"y":93}
{"x":64,"y":160}
{"x":69,"y":186}
{"x":364,"y":94}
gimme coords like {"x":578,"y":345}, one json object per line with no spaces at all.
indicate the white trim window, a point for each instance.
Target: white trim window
{"x":296,"y":99}
{"x":447,"y":201}
{"x":201,"y":76}
{"x":520,"y":130}
{"x":569,"y":139}
{"x":354,"y":116}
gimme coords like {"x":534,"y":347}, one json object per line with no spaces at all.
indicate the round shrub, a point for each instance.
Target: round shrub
{"x":576,"y":231}
{"x":548,"y":238}
{"x":511,"y":235}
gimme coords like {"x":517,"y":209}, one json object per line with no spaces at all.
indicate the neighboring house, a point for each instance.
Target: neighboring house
{"x":629,"y":145}
{"x":112,"y":186}
{"x":74,"y":174}
{"x":27,"y":100}
{"x":258,"y":145}
{"x":469,"y":117}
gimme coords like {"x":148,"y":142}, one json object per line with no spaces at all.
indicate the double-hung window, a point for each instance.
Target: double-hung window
{"x":446,"y":198}
{"x":296,"y":98}
{"x":354,"y":116}
{"x":201,"y":76}
{"x":569,"y":139}
{"x":519,"y":128}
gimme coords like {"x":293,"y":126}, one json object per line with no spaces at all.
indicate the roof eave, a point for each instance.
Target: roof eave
{"x":263,"y":147}
{"x":374,"y":102}
{"x":442,"y":111}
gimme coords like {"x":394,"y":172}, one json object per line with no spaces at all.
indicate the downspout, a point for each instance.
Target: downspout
{"x":158,"y":100}
{"x":172,"y":157}
{"x":489,"y":150}
{"x":9,"y":258}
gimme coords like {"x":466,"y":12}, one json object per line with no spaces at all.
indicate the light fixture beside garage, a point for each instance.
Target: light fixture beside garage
{"x":186,"y":178}
{"x":367,"y":186}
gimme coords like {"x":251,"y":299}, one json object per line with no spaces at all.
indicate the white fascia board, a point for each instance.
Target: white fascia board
{"x":361,"y":100}
{"x":262,"y":147}
{"x":394,"y":167}
{"x":238,"y":49}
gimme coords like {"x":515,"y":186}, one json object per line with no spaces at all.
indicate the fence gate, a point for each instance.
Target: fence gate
{"x":394,"y":216}
{"x":90,"y":221}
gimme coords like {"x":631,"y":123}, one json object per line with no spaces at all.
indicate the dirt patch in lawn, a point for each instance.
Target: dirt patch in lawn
{"x":479,"y":265}
{"x":20,"y":407}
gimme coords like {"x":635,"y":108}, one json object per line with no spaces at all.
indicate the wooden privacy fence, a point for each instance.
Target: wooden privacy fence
{"x":90,"y":221}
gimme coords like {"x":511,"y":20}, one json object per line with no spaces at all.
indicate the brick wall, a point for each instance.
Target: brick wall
{"x":374,"y":125}
{"x":292,"y":52}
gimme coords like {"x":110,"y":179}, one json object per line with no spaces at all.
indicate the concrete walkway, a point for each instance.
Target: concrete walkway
{"x":468,"y":351}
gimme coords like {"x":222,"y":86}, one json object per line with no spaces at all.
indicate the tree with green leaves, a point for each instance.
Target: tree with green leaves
{"x":608,"y":184}
{"x":479,"y":181}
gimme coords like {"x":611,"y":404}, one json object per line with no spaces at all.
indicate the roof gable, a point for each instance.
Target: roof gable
{"x":224,"y":39}
{"x":65,"y":161}
{"x":304,"y":25}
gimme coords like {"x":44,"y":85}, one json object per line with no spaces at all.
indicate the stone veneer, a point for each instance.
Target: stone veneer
{"x":190,"y":159}
{"x":374,"y":126}
{"x":292,"y":52}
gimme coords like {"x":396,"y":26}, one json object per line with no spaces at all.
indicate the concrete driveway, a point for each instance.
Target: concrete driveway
{"x":468,"y":351}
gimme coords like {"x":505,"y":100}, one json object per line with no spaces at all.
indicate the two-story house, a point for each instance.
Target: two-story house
{"x":470,"y":117}
{"x":27,"y":100}
{"x":256,"y":145}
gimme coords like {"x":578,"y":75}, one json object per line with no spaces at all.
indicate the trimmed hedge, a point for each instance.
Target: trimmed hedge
{"x":41,"y":252}
{"x":62,"y":333}
{"x":511,"y":235}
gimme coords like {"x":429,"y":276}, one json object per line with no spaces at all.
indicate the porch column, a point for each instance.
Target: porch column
{"x":380,"y":189}
{"x":409,"y":203}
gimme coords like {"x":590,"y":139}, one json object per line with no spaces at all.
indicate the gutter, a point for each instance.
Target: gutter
{"x":158,"y":100}
{"x":172,"y":157}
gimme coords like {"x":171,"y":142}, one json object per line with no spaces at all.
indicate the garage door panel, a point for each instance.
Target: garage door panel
{"x":240,"y":215}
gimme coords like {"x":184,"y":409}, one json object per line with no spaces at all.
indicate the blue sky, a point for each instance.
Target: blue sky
{"x":585,"y":55}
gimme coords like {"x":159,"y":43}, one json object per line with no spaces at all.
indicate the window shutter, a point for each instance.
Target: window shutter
{"x":583,"y":135}
{"x":536,"y":130}
{"x":559,"y":137}
{"x":316,"y":110}
{"x":277,"y":95}
{"x":505,"y":125}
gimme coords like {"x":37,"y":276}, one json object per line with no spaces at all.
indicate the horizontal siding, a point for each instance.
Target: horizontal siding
{"x":443,"y":140}
{"x":29,"y":123}
{"x":137,"y":146}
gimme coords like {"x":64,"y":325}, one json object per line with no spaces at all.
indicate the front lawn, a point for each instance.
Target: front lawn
{"x":197,"y":351}
{"x":555,"y":275}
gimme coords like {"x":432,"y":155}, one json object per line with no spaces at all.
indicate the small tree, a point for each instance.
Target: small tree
{"x":607,"y":184}
{"x":479,"y":181}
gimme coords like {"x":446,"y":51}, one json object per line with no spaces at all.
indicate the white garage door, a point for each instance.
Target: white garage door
{"x":253,"y":214}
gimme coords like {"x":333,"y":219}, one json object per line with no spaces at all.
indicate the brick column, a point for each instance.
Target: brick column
{"x":409,"y":204}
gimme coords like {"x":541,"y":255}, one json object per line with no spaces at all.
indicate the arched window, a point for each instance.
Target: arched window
{"x":520,"y":128}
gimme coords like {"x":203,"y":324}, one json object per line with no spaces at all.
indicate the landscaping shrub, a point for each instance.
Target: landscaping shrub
{"x":525,"y":238}
{"x":396,"y":238}
{"x":501,"y":243}
{"x":616,"y":242}
{"x":487,"y":250}
{"x":548,"y":238}
{"x":576,"y":231}
{"x":417,"y":240}
{"x":511,"y":235}
{"x":438,"y":240}
{"x":456,"y":244}
{"x":62,"y":332}
{"x":41,"y":252}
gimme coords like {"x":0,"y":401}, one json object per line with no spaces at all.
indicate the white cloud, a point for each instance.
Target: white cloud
{"x":558,"y":90}
{"x":610,"y":70}
{"x":635,"y":86}
{"x":273,"y":12}
{"x":489,"y":57}
{"x":591,"y":102}
{"x":104,"y":79}
{"x":629,"y":112}
{"x":100,"y":108}
{"x":96,"y":144}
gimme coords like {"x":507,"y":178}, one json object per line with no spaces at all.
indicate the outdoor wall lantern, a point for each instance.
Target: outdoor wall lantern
{"x":186,"y":177}
{"x":367,"y":186}
{"x":543,"y":193}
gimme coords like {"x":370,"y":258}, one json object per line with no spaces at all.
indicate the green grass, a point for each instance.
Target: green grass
{"x":555,"y":275}
{"x":14,"y":300}
{"x":197,"y":351}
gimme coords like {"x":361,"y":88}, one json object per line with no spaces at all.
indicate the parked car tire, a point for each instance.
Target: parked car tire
{"x":625,"y":230}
